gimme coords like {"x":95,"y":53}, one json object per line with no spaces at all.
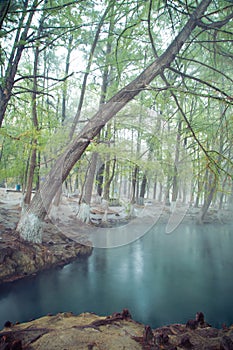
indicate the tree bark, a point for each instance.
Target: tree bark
{"x":16,"y":53}
{"x":175,"y":169}
{"x":62,"y":167}
{"x":4,"y":8}
{"x":134,"y":183}
{"x":90,"y":179}
{"x":100,"y":179}
{"x":209,"y":194}
{"x":64,"y":92}
{"x":142,"y":190}
{"x":87,"y":72}
{"x":32,"y":166}
{"x":109,"y":178}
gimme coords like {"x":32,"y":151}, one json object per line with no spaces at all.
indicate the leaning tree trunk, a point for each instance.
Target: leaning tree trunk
{"x":63,"y":165}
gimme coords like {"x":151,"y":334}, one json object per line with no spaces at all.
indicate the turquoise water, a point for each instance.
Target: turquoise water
{"x":160,"y":278}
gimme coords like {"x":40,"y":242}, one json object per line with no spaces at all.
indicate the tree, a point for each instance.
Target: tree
{"x":20,"y":41}
{"x":30,"y":223}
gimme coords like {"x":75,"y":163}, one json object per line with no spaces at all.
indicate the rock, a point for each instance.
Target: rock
{"x":7,"y":324}
{"x":162,"y":339}
{"x":200,"y":318}
{"x":185,"y":342}
{"x":226,"y":343}
{"x":192,"y":324}
{"x":148,"y":335}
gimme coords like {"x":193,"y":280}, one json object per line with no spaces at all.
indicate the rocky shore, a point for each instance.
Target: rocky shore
{"x":119,"y":331}
{"x":19,"y":258}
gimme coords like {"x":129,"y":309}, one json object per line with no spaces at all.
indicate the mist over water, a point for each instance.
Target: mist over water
{"x":160,"y":278}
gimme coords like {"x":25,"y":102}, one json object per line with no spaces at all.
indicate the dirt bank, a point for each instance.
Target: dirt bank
{"x":19,"y":258}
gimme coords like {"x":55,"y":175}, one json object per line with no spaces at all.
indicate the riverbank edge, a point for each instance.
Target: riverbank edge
{"x":21,"y":259}
{"x":115,"y":332}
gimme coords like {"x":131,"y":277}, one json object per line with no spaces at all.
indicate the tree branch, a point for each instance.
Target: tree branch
{"x":43,"y":77}
{"x":191,"y":77}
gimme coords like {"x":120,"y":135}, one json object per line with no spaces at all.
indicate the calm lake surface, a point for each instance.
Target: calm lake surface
{"x":160,"y":278}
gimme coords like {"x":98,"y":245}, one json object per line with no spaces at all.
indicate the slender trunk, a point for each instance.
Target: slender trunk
{"x":155,"y":188}
{"x":175,"y":169}
{"x":84,"y":209}
{"x":134,"y":182}
{"x":167,"y":192}
{"x":211,"y":183}
{"x":32,"y":167}
{"x":230,"y":199}
{"x":57,"y":198}
{"x":35,"y":122}
{"x":64,"y":92}
{"x":16,"y":53}
{"x":109,"y":179}
{"x":87,"y":72}
{"x":100,"y":179}
{"x":4,"y":8}
{"x":106,"y":178}
{"x":90,"y":179}
{"x":143,"y":190}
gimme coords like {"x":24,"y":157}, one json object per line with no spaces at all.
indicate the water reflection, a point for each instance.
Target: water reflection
{"x":161,"y":279}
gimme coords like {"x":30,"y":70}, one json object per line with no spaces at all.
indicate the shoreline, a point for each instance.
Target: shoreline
{"x":20,"y":259}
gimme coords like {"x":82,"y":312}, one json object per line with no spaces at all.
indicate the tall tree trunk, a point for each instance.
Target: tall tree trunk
{"x":4,"y":8}
{"x":209,"y":195}
{"x":142,"y":190}
{"x":84,"y":212}
{"x":64,"y":92}
{"x":33,"y":161}
{"x":230,"y":198}
{"x":90,"y":179}
{"x":84,"y":209}
{"x":15,"y":56}
{"x":58,"y":196}
{"x":32,"y":167}
{"x":175,"y":169}
{"x":134,"y":183}
{"x":155,"y":188}
{"x":63,"y":165}
{"x":87,"y":72}
{"x":100,"y":179}
{"x":109,"y":178}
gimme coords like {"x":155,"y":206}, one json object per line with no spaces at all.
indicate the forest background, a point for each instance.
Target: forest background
{"x":167,"y":139}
